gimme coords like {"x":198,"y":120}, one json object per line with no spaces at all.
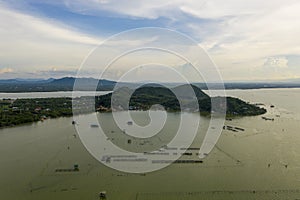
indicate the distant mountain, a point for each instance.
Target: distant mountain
{"x":88,"y":84}
{"x":51,"y":85}
{"x":24,"y":81}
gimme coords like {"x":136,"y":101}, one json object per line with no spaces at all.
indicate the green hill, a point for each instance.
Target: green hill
{"x":145,"y":97}
{"x":20,"y":111}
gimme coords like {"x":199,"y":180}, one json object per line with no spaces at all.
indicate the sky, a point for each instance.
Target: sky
{"x":249,"y":40}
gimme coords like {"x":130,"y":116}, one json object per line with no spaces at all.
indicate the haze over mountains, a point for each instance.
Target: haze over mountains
{"x":67,"y":83}
{"x":52,"y":85}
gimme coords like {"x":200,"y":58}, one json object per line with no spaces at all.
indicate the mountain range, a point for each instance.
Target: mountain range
{"x":52,"y":85}
{"x":88,"y":84}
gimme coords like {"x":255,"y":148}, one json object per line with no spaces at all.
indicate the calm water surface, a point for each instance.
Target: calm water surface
{"x":29,"y":95}
{"x":263,"y":162}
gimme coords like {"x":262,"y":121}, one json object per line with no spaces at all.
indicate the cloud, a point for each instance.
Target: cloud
{"x":134,"y":9}
{"x":276,"y":62}
{"x":243,"y":43}
{"x":6,"y":70}
{"x":240,"y":36}
{"x":209,"y":9}
{"x":30,"y":42}
{"x":55,"y":73}
{"x":36,"y":28}
{"x":35,"y":44}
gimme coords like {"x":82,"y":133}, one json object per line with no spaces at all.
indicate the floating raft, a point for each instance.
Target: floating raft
{"x":94,"y":125}
{"x":130,"y":160}
{"x":268,"y":119}
{"x":191,"y":148}
{"x":66,"y":170}
{"x":233,"y":129}
{"x":120,"y":156}
{"x":75,"y":169}
{"x":187,"y":154}
{"x":177,"y":161}
{"x":156,"y":153}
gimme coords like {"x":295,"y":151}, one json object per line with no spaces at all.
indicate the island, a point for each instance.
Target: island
{"x":19,"y":111}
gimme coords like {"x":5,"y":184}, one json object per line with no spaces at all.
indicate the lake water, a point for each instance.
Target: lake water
{"x":30,"y":95}
{"x":262,"y":162}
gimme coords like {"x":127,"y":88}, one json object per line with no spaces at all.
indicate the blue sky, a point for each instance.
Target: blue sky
{"x":105,"y":23}
{"x":248,"y":40}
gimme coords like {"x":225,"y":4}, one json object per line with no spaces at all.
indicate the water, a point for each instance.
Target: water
{"x":263,"y":162}
{"x":30,"y":95}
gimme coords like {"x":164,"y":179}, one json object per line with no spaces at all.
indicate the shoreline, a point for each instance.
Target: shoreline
{"x":108,"y":91}
{"x":20,"y":111}
{"x":228,"y":117}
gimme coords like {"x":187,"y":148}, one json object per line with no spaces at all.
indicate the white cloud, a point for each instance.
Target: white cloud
{"x":30,"y":27}
{"x":31,"y":43}
{"x":144,"y":9}
{"x":243,"y":43}
{"x":276,"y":62}
{"x":209,"y":9}
{"x":6,"y":70}
{"x":241,"y":36}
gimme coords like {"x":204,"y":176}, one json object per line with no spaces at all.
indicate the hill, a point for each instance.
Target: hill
{"x":20,"y":111}
{"x":145,"y":97}
{"x":53,"y":85}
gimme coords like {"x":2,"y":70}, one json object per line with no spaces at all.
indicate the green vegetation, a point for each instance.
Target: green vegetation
{"x":20,"y":111}
{"x":145,"y":97}
{"x":238,"y":107}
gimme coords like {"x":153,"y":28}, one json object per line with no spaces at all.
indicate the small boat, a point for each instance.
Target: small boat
{"x":94,"y":125}
{"x":76,"y":167}
{"x":102,"y":195}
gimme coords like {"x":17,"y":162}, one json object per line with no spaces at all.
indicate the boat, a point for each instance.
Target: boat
{"x":102,"y":195}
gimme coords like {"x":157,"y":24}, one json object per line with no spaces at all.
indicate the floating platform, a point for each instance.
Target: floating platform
{"x":75,"y":169}
{"x":94,"y":125}
{"x":130,"y":160}
{"x":67,"y":170}
{"x":233,"y":129}
{"x":268,"y":119}
{"x":177,"y":161}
